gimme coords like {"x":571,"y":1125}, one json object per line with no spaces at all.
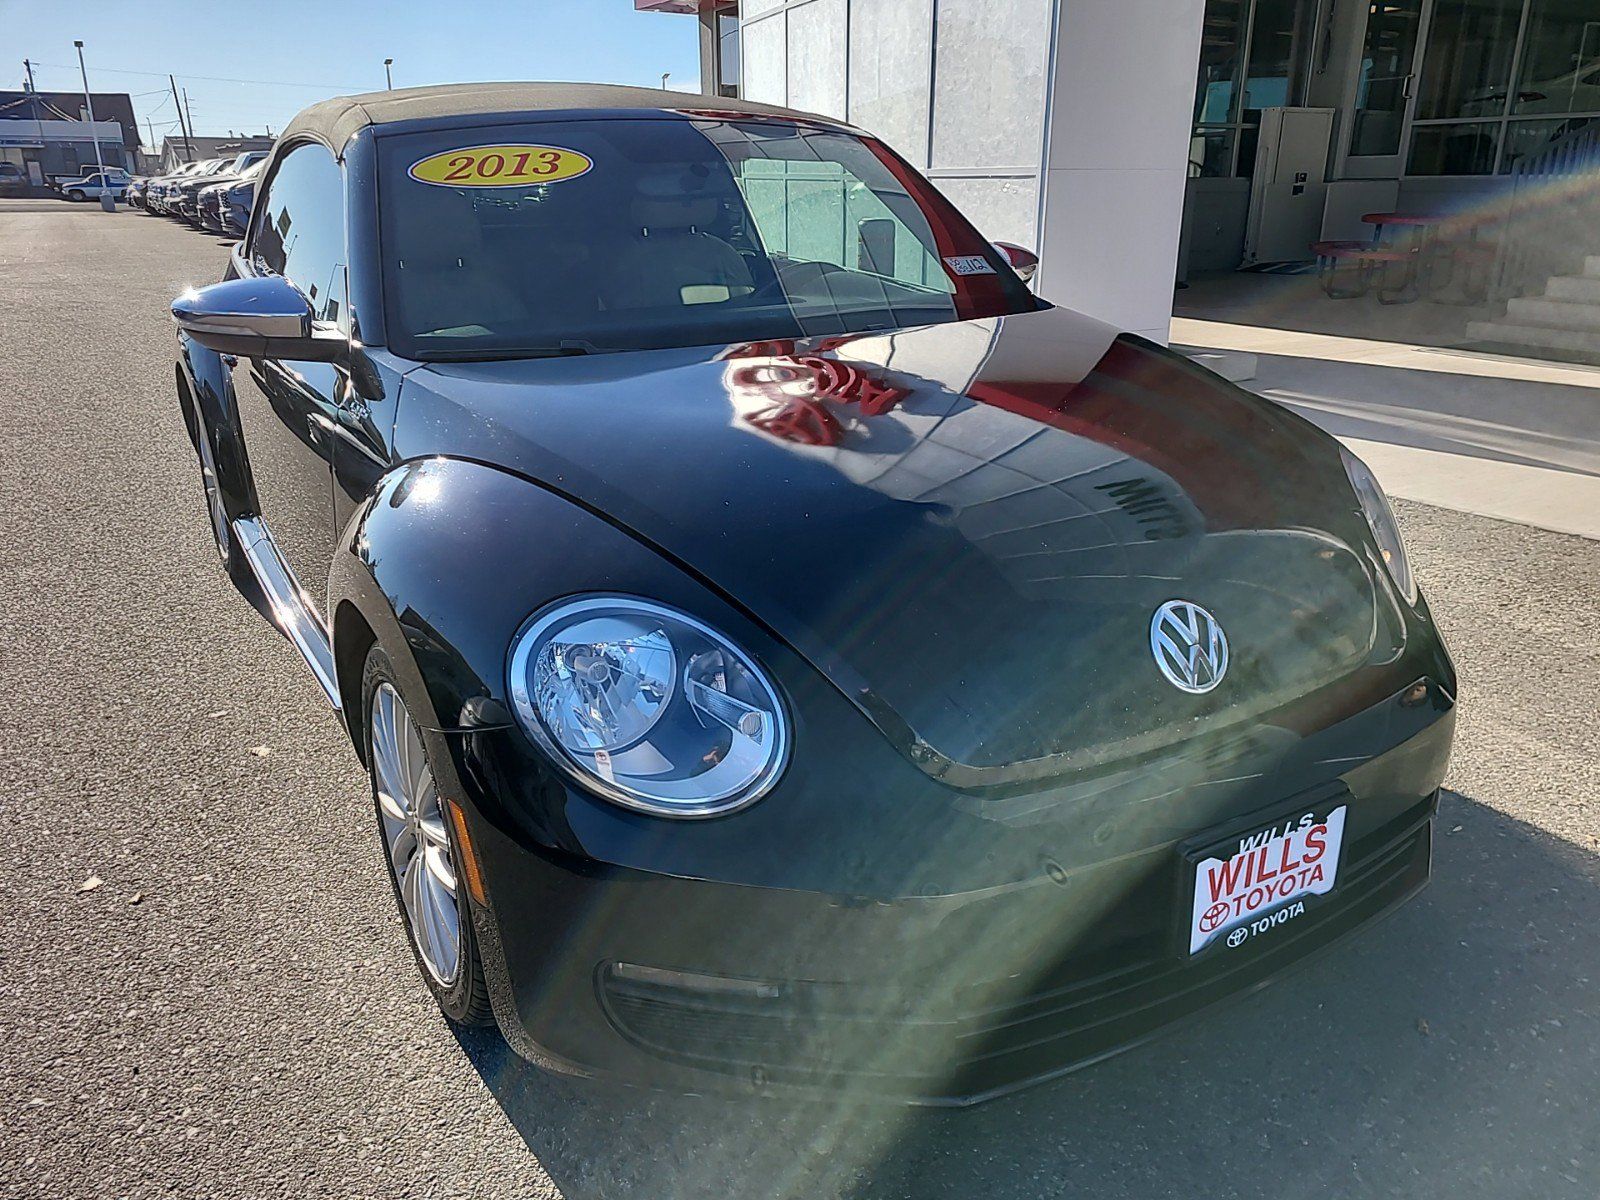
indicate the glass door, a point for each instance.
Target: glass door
{"x":1384,"y":89}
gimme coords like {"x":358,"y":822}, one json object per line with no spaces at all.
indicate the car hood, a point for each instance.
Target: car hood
{"x":967,"y":527}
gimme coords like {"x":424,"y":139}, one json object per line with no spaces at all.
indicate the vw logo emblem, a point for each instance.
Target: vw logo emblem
{"x":1189,"y":646}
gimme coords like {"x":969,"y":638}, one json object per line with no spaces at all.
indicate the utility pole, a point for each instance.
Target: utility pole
{"x":388,"y":78}
{"x":28,"y":67}
{"x":188,"y":149}
{"x":107,"y":200}
{"x":186,"y":111}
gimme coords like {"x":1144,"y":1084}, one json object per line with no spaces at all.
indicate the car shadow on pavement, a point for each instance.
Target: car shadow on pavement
{"x":1451,"y":1050}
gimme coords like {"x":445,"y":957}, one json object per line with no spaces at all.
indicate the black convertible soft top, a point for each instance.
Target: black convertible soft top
{"x":337,"y":120}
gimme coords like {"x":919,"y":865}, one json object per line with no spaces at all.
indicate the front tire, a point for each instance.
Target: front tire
{"x":425,"y":862}
{"x":76,"y":195}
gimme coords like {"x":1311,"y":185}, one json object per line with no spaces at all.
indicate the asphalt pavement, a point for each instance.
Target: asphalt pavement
{"x":204,"y":989}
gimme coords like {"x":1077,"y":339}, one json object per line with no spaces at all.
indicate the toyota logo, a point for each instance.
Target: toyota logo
{"x":1189,"y":646}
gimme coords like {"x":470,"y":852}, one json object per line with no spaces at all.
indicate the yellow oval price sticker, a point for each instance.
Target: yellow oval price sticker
{"x":500,"y":166}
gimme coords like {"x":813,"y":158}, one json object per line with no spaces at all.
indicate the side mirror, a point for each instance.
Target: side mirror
{"x":1024,"y":262}
{"x":260,"y":317}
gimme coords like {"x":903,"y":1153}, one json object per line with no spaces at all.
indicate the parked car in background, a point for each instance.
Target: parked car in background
{"x":135,"y":193}
{"x":94,"y":185}
{"x":208,"y":206}
{"x":190,"y":192}
{"x":60,"y":183}
{"x":185,"y":201}
{"x":13,"y":179}
{"x":814,"y":662}
{"x":155,"y":185}
{"x":166,"y":193}
{"x":225,"y":206}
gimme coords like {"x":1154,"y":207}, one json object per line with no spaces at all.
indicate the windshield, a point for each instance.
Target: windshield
{"x":596,"y":235}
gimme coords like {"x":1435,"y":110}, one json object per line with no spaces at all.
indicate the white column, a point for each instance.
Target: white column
{"x":1116,"y":154}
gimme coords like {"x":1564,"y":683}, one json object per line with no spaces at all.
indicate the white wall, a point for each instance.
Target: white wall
{"x":1122,"y":94}
{"x":1084,"y":157}
{"x":957,"y":87}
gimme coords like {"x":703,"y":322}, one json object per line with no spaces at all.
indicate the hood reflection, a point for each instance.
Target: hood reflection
{"x":923,"y":417}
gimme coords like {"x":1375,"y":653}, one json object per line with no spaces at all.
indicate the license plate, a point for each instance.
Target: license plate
{"x":1253,"y":883}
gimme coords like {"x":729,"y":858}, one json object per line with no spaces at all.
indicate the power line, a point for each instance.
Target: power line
{"x":338,"y":87}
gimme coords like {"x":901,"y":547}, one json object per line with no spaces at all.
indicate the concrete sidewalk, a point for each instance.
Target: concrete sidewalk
{"x":1512,"y":438}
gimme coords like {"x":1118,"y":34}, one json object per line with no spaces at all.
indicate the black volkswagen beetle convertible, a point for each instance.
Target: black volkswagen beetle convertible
{"x":787,"y":652}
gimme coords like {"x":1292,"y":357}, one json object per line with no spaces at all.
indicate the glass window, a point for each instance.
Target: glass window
{"x":1386,"y":65}
{"x":1466,"y":71}
{"x":1221,"y":39}
{"x":1463,"y":149}
{"x":299,"y":229}
{"x":1560,"y":58}
{"x":1230,"y":93}
{"x":679,"y":233}
{"x":1274,"y":38}
{"x":728,"y":53}
{"x":1530,"y":137}
{"x":1211,"y":154}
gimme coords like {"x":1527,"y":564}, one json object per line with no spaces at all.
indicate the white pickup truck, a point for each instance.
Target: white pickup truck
{"x":112,"y":181}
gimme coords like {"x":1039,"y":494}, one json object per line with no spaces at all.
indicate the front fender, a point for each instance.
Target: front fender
{"x":445,"y":562}
{"x":208,"y":383}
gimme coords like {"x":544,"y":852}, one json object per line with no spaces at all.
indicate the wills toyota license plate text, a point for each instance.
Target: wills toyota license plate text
{"x":1259,"y":875}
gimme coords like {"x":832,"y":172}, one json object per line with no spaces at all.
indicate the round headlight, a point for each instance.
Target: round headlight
{"x":1385,"y":531}
{"x":648,"y":707}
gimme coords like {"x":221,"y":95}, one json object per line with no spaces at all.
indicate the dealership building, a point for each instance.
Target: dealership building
{"x":1131,"y":142}
{"x":49,"y":134}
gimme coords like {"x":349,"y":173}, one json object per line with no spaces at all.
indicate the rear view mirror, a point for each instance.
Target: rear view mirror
{"x":1024,"y":262}
{"x":260,"y":317}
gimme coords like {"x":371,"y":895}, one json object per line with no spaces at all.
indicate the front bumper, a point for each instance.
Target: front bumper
{"x":936,"y":993}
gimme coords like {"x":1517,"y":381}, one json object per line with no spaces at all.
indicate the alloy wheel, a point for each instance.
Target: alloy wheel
{"x":416,"y":835}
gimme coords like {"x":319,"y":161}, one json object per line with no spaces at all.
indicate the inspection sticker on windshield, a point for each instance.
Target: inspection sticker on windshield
{"x":969,"y":264}
{"x":500,"y":166}
{"x":1254,"y":883}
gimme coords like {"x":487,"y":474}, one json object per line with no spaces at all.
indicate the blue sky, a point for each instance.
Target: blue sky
{"x":305,"y":52}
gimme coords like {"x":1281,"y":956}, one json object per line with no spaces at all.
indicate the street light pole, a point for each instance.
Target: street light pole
{"x":107,"y":200}
{"x":665,"y":75}
{"x":387,"y":77}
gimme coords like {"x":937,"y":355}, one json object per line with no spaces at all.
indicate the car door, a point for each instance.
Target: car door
{"x":288,"y":409}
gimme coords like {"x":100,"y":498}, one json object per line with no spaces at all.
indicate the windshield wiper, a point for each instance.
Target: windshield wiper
{"x":566,"y":348}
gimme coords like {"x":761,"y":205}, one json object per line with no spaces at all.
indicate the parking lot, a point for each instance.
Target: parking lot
{"x":232,"y":1010}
